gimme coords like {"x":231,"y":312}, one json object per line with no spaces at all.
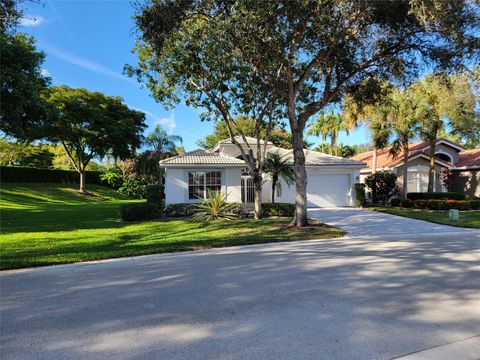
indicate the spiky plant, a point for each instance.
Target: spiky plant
{"x":214,"y":207}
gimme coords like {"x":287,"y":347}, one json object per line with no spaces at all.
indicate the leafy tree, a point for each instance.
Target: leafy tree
{"x":90,"y":124}
{"x":278,"y":167}
{"x":446,"y":100}
{"x":310,"y":53}
{"x":179,"y":58}
{"x":341,"y":149}
{"x":162,"y":145}
{"x":23,"y":112}
{"x":278,"y":136}
{"x":10,"y":15}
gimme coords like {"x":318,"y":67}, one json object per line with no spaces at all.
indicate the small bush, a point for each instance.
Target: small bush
{"x":436,"y":196}
{"x":278,"y":209}
{"x":395,"y":202}
{"x":155,"y":194}
{"x":133,"y":188}
{"x":17,"y":174}
{"x":179,"y":210}
{"x":359,"y":195}
{"x":382,"y":184}
{"x":113,"y":178}
{"x":141,"y":211}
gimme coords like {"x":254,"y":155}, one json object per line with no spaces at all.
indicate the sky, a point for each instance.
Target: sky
{"x":87,"y":43}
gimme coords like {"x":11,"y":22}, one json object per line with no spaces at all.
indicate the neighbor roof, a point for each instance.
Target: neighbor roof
{"x":239,"y":139}
{"x":469,"y":158}
{"x":202,"y":157}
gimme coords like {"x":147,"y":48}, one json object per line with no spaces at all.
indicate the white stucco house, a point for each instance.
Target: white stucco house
{"x":189,"y":176}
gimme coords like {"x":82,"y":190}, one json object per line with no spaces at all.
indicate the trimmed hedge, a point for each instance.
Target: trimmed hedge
{"x":140,"y":211}
{"x":395,"y":202}
{"x":187,"y":209}
{"x":278,"y":209}
{"x":155,"y":194}
{"x":18,"y":174}
{"x":360,"y":196}
{"x":436,"y":196}
{"x":442,"y":204}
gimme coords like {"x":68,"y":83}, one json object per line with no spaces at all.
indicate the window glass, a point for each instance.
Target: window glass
{"x":199,"y":183}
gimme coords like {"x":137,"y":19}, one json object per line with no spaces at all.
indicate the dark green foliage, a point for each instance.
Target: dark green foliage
{"x":214,"y":207}
{"x":15,"y":174}
{"x":141,"y":211}
{"x":442,"y":204}
{"x":436,"y":196}
{"x":395,"y":202}
{"x":155,"y":194}
{"x":278,"y":209}
{"x":179,"y":210}
{"x":278,"y":167}
{"x":382,"y":184}
{"x":113,"y":177}
{"x":359,"y":195}
{"x":134,"y":188}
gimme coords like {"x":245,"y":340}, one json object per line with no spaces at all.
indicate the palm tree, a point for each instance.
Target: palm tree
{"x":278,"y":166}
{"x":162,"y":145}
{"x":329,"y":125}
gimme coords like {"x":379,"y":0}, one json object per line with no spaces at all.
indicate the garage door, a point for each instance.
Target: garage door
{"x":328,"y":190}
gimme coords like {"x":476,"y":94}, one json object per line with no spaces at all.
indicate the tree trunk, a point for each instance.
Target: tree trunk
{"x":273,"y":192}
{"x":405,"y":171}
{"x":374,"y":160}
{"x":82,"y":188}
{"x":431,"y":172}
{"x":257,"y":185}
{"x":301,"y":218}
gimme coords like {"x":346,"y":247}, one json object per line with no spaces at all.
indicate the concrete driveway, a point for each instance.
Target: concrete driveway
{"x":354,"y":298}
{"x":362,"y":222}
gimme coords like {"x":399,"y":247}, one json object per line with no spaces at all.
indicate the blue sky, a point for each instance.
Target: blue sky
{"x":87,"y":43}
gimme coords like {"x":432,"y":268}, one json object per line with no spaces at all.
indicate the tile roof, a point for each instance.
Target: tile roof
{"x":239,"y":139}
{"x":469,"y":158}
{"x":385,"y":158}
{"x":201,"y":157}
{"x":315,"y":158}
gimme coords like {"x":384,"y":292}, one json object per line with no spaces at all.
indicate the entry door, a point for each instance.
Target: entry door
{"x":248,"y":190}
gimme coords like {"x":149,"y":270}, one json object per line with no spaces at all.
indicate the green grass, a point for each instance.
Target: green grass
{"x":45,"y":224}
{"x":468,"y":219}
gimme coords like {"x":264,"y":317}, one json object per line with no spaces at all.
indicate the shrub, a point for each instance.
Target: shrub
{"x":442,"y":204}
{"x":113,"y":177}
{"x":436,"y":196}
{"x":278,"y":209}
{"x":214,"y":207}
{"x":140,"y":211}
{"x":395,"y":202}
{"x":179,"y":210}
{"x":382,"y":184}
{"x":17,"y":174}
{"x":133,"y":188}
{"x":155,"y":194}
{"x":359,"y":195}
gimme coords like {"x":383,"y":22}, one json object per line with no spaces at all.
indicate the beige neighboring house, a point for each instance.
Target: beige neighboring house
{"x":189,"y":176}
{"x":464,"y":166}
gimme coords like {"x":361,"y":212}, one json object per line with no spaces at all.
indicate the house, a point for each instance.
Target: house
{"x":463,"y":165}
{"x":189,"y":176}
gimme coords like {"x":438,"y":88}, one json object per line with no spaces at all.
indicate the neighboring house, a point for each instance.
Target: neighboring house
{"x":464,"y":166}
{"x":189,"y":176}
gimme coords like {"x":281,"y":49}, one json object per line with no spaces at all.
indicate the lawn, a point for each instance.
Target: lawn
{"x":45,"y":224}
{"x":468,"y":219}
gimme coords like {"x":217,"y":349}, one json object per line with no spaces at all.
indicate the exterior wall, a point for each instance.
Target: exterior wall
{"x":442,"y":148}
{"x":467,"y":181}
{"x":176,"y":184}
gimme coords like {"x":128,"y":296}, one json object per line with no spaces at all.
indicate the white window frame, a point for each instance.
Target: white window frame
{"x":204,"y":185}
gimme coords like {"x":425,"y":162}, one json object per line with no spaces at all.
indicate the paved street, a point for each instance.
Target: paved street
{"x":350,"y":298}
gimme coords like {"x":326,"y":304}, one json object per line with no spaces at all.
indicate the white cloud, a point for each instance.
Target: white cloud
{"x":168,"y":123}
{"x":32,"y":20}
{"x":84,"y":63}
{"x":45,"y":72}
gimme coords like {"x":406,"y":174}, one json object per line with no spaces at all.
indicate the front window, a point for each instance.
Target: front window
{"x":200,"y":183}
{"x":417,"y":181}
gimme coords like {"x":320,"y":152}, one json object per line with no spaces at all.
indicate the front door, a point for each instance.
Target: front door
{"x":248,"y":190}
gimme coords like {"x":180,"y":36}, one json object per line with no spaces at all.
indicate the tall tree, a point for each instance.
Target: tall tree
{"x":447,"y":100}
{"x":278,"y":167}
{"x":328,"y":125}
{"x":179,"y":57}
{"x":90,"y":124}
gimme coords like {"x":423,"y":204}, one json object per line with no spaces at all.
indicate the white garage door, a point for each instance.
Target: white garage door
{"x":328,"y":190}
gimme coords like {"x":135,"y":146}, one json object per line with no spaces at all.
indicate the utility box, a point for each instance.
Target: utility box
{"x":453,"y":214}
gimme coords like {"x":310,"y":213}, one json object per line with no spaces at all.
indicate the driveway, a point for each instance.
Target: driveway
{"x":361,"y":222}
{"x":327,"y":299}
